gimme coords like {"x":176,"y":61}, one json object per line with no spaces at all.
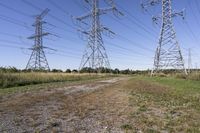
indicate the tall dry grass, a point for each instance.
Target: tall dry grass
{"x":22,"y":79}
{"x":190,"y":76}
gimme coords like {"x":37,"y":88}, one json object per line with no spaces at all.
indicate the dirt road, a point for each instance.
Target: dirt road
{"x":100,"y":106}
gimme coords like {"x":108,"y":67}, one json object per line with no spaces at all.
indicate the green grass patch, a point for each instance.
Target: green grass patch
{"x":164,"y":104}
{"x":126,"y":127}
{"x":181,"y":85}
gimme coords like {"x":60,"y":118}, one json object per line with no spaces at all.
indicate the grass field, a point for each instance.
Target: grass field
{"x":107,"y":104}
{"x":164,"y":104}
{"x":11,"y":82}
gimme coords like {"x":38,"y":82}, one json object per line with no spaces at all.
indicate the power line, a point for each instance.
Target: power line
{"x":14,"y":10}
{"x":18,"y":43}
{"x":58,"y":7}
{"x":11,"y":46}
{"x":52,"y":16}
{"x":131,"y":28}
{"x":124,"y":38}
{"x":11,"y":35}
{"x":11,"y":42}
{"x":198,"y":6}
{"x":137,"y":21}
{"x":23,"y":13}
{"x":193,"y":13}
{"x":191,"y":32}
{"x":69,"y":52}
{"x":132,"y":42}
{"x":126,"y":49}
{"x":13,"y":21}
{"x":84,"y":8}
{"x":189,"y":61}
{"x":58,"y":50}
{"x":20,"y":23}
{"x":65,"y":55}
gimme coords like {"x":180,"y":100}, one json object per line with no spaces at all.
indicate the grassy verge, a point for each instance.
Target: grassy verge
{"x":164,"y":104}
{"x":186,"y":86}
{"x":15,"y":82}
{"x":21,"y":79}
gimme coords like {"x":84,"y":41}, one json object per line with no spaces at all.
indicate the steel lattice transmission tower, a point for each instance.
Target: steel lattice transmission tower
{"x":95,"y":55}
{"x":168,"y":53}
{"x":38,"y":59}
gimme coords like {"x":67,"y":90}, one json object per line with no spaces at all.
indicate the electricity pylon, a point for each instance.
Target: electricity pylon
{"x":95,"y":55}
{"x":168,"y":53}
{"x":38,"y":59}
{"x":189,"y":61}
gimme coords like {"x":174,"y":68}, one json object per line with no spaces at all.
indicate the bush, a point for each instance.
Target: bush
{"x":68,"y":71}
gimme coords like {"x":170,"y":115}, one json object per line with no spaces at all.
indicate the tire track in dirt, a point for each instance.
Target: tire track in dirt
{"x":93,"y":107}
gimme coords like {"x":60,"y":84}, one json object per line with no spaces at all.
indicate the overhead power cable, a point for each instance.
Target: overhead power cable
{"x":52,"y":16}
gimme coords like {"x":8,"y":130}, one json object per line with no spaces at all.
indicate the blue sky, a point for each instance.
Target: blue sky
{"x":133,"y":46}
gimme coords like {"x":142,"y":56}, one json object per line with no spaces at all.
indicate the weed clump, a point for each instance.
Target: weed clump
{"x":126,"y":127}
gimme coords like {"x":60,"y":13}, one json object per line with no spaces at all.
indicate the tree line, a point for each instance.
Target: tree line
{"x":84,"y":70}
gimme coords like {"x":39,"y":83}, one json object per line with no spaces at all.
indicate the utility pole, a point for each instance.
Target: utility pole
{"x":168,"y":53}
{"x":189,"y":61}
{"x":38,"y":59}
{"x":196,"y":68}
{"x":95,"y":55}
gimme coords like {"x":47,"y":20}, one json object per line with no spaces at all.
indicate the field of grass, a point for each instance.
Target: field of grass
{"x":128,"y":104}
{"x":163,"y":104}
{"x":10,"y":82}
{"x":187,"y":86}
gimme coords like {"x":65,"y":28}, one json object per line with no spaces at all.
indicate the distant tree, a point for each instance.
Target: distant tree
{"x":24,"y":70}
{"x":74,"y":71}
{"x":97,"y":70}
{"x":68,"y":71}
{"x":13,"y":69}
{"x":127,"y":71}
{"x":9,"y":69}
{"x":104,"y":70}
{"x":87,"y":70}
{"x":56,"y":71}
{"x":116,"y":71}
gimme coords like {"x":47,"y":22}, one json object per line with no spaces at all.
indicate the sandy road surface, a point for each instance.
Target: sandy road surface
{"x":92,"y":107}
